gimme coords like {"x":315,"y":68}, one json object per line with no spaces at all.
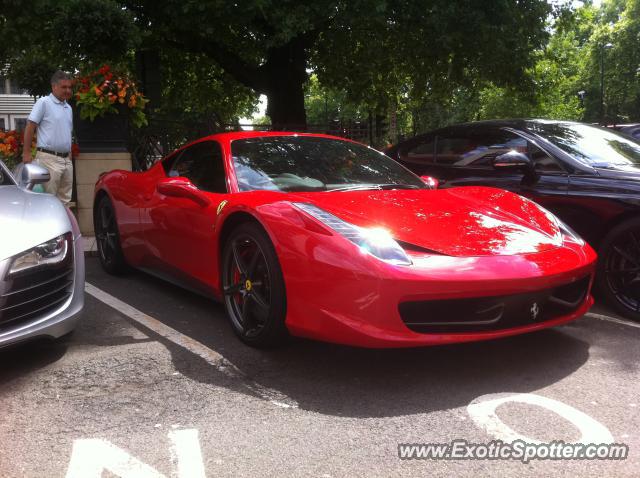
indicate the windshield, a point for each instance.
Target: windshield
{"x":307,"y":163}
{"x":5,"y":177}
{"x":594,"y":146}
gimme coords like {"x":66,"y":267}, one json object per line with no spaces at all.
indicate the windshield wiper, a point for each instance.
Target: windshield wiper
{"x":357,"y":187}
{"x":397,"y":186}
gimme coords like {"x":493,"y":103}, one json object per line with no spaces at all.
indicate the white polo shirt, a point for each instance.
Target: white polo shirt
{"x":55,"y":123}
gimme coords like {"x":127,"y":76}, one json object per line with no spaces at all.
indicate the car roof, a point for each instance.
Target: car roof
{"x":481,"y":127}
{"x":234,"y":135}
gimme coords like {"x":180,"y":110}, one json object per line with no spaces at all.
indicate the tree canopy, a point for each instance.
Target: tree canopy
{"x":424,"y":63}
{"x":373,"y":50}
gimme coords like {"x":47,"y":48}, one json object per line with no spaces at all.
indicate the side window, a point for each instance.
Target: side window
{"x":202,"y":164}
{"x":476,"y":151}
{"x":422,"y":152}
{"x":542,"y":161}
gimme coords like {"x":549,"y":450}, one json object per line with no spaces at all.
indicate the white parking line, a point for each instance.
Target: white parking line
{"x":210,"y":356}
{"x":612,"y":319}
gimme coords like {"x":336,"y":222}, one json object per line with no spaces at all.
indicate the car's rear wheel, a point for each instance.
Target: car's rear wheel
{"x":618,"y":275}
{"x":108,"y":238}
{"x":253,"y":287}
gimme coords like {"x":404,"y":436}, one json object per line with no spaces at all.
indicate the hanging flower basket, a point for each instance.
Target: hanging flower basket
{"x":106,"y":104}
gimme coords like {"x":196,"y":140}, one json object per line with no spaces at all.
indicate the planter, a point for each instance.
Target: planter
{"x":109,"y":133}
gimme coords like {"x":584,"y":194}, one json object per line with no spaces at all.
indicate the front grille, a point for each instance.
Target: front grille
{"x":493,"y":313}
{"x":34,"y":293}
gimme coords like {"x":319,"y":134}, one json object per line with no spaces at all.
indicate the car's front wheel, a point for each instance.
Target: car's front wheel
{"x":108,"y":238}
{"x":253,"y":287}
{"x":618,"y":274}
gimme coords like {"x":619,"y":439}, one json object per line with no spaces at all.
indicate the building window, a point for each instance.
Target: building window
{"x":19,"y":123}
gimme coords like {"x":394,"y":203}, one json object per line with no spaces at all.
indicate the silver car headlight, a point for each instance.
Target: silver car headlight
{"x":375,"y":241}
{"x":48,"y":253}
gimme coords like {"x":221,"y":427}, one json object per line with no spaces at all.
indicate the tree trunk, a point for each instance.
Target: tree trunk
{"x":285,"y":75}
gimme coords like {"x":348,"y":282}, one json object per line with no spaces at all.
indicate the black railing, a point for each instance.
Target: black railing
{"x":161,"y":136}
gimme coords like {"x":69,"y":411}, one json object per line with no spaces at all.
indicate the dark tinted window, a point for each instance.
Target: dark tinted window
{"x":305,"y":163}
{"x":202,"y":164}
{"x":542,"y":161}
{"x":421,"y":152}
{"x":477,"y":151}
{"x":5,"y":178}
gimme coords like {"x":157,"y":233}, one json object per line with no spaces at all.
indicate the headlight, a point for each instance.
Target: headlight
{"x":375,"y":241}
{"x":48,"y":253}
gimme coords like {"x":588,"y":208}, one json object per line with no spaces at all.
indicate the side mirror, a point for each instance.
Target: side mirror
{"x":430,"y":181}
{"x":28,"y":175}
{"x":512,"y":160}
{"x":182,"y":188}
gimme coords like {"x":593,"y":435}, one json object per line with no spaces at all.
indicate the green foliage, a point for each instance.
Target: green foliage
{"x":194,"y":86}
{"x":571,"y":62}
{"x":324,"y":105}
{"x":62,"y":34}
{"x":423,"y":63}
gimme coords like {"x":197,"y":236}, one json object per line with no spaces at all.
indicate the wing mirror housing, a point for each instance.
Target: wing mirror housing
{"x":180,"y":187}
{"x":28,"y":175}
{"x":430,"y":181}
{"x":512,"y":160}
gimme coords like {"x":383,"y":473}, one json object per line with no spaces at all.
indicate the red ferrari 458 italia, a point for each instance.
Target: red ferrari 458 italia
{"x":316,"y":236}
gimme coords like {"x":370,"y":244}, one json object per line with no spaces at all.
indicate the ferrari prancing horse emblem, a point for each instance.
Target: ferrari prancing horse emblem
{"x":535,"y":310}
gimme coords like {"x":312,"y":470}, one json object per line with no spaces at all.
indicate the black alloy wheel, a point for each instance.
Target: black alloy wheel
{"x":108,"y":238}
{"x":253,"y":287}
{"x":618,"y":274}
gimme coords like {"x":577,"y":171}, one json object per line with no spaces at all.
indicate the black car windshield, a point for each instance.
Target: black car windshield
{"x":308,"y":163}
{"x":5,"y":177}
{"x":594,"y":146}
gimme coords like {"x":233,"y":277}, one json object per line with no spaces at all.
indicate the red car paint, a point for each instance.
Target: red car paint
{"x":464,"y":243}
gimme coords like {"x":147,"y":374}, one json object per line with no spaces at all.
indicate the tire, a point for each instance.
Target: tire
{"x":618,"y":270}
{"x":108,"y":238}
{"x":253,"y":287}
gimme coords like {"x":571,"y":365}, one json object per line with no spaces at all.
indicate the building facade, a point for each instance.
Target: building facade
{"x":15,"y":105}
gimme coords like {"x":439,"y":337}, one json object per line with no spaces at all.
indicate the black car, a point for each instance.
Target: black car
{"x":588,"y":176}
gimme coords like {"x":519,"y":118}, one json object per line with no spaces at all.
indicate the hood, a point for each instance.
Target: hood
{"x":464,"y":221}
{"x":28,"y":219}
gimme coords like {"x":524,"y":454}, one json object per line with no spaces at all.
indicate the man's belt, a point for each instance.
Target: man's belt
{"x":55,"y":153}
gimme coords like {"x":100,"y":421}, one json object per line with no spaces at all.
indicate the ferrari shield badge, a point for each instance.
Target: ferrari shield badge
{"x":221,"y":207}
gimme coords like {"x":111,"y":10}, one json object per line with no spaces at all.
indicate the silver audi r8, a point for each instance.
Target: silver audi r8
{"x":41,"y":260}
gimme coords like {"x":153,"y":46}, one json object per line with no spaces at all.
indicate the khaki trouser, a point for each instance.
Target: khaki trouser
{"x":61,"y":171}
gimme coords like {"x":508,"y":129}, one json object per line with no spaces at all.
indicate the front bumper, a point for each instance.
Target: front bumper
{"x":52,"y":323}
{"x":357,"y":300}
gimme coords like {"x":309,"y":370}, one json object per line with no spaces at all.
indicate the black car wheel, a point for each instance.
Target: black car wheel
{"x":618,"y":275}
{"x":108,"y":238}
{"x":253,"y":287}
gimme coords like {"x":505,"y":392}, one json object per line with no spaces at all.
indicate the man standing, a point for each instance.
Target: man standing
{"x":52,"y":117}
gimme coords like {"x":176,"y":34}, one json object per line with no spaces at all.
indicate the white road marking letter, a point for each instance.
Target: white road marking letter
{"x":185,"y":452}
{"x":483,"y":412}
{"x":90,"y":457}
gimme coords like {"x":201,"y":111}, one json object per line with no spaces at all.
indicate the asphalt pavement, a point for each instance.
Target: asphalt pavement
{"x":154,"y":383}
